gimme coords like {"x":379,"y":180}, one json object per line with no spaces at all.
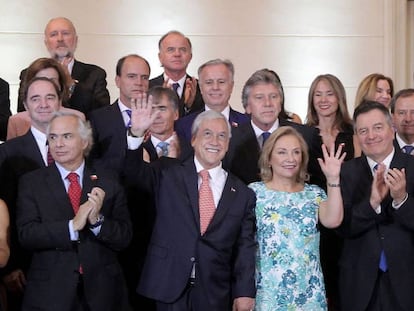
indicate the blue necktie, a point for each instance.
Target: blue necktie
{"x":128,"y":111}
{"x":265,"y":136}
{"x":164,"y":148}
{"x":175,"y":88}
{"x":408,"y":149}
{"x":383,"y":266}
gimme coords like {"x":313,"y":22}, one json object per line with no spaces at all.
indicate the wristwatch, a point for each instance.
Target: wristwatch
{"x":99,"y":221}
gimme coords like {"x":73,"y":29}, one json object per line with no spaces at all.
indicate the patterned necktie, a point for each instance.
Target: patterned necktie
{"x":265,"y":136}
{"x":128,"y":111}
{"x":74,"y":191}
{"x":175,"y":88}
{"x":383,"y":266}
{"x":408,"y":149}
{"x":163,"y":146}
{"x":206,"y":202}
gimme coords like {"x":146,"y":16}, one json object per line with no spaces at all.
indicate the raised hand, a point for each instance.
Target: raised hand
{"x":331,"y":162}
{"x":174,"y":148}
{"x":142,"y":114}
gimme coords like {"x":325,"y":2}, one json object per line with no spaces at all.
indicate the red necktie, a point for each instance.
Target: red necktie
{"x":206,"y":202}
{"x":74,"y":191}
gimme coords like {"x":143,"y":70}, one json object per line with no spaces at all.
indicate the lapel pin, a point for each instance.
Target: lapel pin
{"x":234,"y":124}
{"x":94,"y":177}
{"x":232,"y":189}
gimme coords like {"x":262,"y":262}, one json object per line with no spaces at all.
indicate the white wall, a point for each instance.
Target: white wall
{"x":299,"y":39}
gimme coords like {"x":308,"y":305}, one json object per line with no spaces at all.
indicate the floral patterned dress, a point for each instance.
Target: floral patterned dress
{"x":288,"y":270}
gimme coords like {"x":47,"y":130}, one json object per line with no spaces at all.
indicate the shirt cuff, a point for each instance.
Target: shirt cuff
{"x":74,"y":235}
{"x":134,"y":142}
{"x":397,"y":206}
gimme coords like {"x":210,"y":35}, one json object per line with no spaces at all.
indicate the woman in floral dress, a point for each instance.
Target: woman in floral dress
{"x":288,"y":210}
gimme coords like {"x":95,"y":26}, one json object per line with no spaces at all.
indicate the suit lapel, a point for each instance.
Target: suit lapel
{"x":190,"y":182}
{"x":228,"y":197}
{"x":30,"y":147}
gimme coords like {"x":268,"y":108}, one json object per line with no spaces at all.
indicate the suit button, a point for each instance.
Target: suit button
{"x":382,"y":237}
{"x":192,"y":259}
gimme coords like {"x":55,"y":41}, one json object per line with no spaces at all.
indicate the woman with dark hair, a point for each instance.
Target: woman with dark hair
{"x":288,"y":211}
{"x":19,"y":123}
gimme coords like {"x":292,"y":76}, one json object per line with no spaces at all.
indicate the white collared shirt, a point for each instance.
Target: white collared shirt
{"x":41,"y":141}
{"x":401,"y":142}
{"x":258,"y":132}
{"x":225,"y":112}
{"x":181,"y":82}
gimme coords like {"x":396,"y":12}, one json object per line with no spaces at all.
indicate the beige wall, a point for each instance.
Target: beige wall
{"x":297,"y":38}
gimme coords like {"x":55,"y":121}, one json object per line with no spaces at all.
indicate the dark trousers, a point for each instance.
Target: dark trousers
{"x":192,"y":299}
{"x":383,"y":297}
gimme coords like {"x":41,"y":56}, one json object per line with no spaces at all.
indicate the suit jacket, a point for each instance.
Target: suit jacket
{"x":244,"y":150}
{"x":5,"y":112}
{"x":44,"y":210}
{"x":17,"y":157}
{"x":225,"y":254}
{"x":198,"y":101}
{"x":183,"y":125}
{"x":90,"y":92}
{"x":110,"y":137}
{"x":367,"y":233}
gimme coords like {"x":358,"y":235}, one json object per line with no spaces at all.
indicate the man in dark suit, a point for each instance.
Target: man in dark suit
{"x":5,"y":112}
{"x":263,"y":99}
{"x":197,"y":261}
{"x":175,"y":53}
{"x":402,"y":110}
{"x":88,"y":82}
{"x":74,"y":221}
{"x":18,"y":156}
{"x":376,"y":267}
{"x":110,"y":124}
{"x":110,"y":127}
{"x":216,"y":84}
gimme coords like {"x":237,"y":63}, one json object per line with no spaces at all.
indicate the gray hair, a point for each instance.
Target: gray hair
{"x":229,"y":65}
{"x":84,"y":129}
{"x":262,"y":76}
{"x":208,"y":115}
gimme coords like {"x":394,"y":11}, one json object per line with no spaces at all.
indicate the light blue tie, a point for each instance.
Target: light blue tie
{"x":164,"y":148}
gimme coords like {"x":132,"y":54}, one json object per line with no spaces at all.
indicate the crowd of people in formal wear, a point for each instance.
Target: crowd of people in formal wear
{"x":170,"y":200}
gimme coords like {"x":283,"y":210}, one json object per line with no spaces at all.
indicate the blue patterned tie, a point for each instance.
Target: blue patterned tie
{"x":175,"y":88}
{"x":265,"y":136}
{"x":164,"y":148}
{"x":408,"y":149}
{"x":128,"y":111}
{"x":383,"y":266}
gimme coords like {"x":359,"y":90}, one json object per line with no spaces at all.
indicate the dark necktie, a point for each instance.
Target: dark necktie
{"x":128,"y":111}
{"x":265,"y":136}
{"x":175,"y":88}
{"x":408,"y":149}
{"x":163,"y":146}
{"x":50,"y":159}
{"x":383,"y":266}
{"x":206,"y":202}
{"x":74,"y":191}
